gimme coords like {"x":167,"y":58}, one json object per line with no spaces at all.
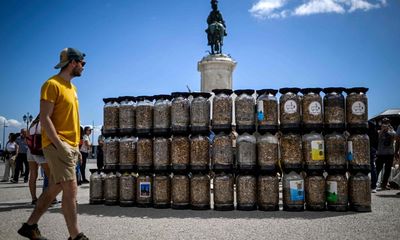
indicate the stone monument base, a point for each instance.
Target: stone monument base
{"x":216,"y":72}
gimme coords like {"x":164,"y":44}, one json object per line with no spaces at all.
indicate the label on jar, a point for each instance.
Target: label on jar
{"x":290,"y":106}
{"x":315,"y":108}
{"x":317,"y":150}
{"x":358,"y":108}
{"x":332,"y":191}
{"x":145,"y":189}
{"x":260,"y":110}
{"x":296,"y":190}
{"x":349,"y":150}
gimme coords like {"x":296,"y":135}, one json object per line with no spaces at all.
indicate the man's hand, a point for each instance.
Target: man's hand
{"x":80,"y":158}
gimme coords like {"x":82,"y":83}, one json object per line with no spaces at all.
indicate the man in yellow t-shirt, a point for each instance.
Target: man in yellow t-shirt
{"x":59,"y":118}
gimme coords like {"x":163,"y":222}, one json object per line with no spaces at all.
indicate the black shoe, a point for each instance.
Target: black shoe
{"x":80,"y":236}
{"x":13,"y":181}
{"x":31,"y":232}
{"x":34,"y":201}
{"x":85,"y":181}
{"x":25,"y":180}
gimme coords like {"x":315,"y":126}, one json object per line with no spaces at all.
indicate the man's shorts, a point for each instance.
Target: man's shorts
{"x":35,"y":158}
{"x":62,"y":162}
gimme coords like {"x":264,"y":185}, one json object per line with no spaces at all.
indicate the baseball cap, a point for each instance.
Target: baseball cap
{"x":68,"y":54}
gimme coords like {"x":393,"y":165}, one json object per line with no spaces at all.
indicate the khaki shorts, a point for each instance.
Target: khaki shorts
{"x":62,"y":162}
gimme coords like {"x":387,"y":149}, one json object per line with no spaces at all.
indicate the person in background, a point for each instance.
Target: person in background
{"x":99,"y":152}
{"x":21,"y":158}
{"x":59,"y":118}
{"x":385,"y":152}
{"x":35,"y":160}
{"x":11,"y":152}
{"x":85,"y":149}
{"x":373,"y":137}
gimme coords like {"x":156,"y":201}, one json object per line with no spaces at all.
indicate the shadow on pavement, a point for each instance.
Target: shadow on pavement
{"x":388,"y":195}
{"x":135,"y":212}
{"x":5,"y":207}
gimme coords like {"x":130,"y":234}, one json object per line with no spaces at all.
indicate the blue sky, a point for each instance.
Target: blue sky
{"x":152,"y":47}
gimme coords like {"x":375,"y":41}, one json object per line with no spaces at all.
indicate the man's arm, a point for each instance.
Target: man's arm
{"x":46,"y":110}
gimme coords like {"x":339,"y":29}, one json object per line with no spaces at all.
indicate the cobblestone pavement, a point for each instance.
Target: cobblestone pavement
{"x":106,"y":222}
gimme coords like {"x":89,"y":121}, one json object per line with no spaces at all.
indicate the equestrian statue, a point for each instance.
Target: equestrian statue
{"x":216,"y":30}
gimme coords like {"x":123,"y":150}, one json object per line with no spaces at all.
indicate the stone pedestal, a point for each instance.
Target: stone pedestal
{"x":216,"y":72}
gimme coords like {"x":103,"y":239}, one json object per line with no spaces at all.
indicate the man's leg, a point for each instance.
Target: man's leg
{"x":18,"y":168}
{"x":44,"y":202}
{"x":379,"y":166}
{"x":69,"y":208}
{"x":388,"y":170}
{"x":26,"y":164}
{"x":83,"y":166}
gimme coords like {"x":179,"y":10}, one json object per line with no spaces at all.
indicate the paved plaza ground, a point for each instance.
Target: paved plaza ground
{"x":106,"y":222}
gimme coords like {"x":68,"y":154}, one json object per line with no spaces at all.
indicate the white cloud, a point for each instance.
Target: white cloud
{"x":263,"y":9}
{"x":11,"y":122}
{"x":318,"y":6}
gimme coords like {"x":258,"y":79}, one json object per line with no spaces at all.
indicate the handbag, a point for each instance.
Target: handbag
{"x":34,"y":141}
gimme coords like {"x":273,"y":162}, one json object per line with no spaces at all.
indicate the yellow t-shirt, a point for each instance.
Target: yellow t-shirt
{"x":65,"y":115}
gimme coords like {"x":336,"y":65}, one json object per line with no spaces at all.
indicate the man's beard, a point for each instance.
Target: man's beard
{"x":76,"y":72}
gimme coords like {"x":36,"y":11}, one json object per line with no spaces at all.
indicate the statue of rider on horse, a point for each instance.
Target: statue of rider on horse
{"x":216,"y":29}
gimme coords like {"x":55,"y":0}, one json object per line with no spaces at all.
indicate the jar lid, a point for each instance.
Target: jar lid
{"x":126,"y":98}
{"x":201,"y":94}
{"x":108,"y":100}
{"x":162,"y":97}
{"x":225,"y":91}
{"x":267,"y":91}
{"x":294,"y":90}
{"x":142,"y":98}
{"x":311,"y":90}
{"x":244,"y":91}
{"x":338,"y":90}
{"x":356,"y":90}
{"x":180,"y":94}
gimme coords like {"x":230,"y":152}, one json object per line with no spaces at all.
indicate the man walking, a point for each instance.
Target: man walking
{"x":21,"y":159}
{"x":59,"y":118}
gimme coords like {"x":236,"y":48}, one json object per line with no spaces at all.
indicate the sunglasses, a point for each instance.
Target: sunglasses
{"x":80,"y":61}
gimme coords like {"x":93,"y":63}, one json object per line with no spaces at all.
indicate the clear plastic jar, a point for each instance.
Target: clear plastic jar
{"x":111,"y":188}
{"x":358,"y":152}
{"x":180,"y":153}
{"x":200,"y":113}
{"x":315,"y":192}
{"x":291,"y":152}
{"x":200,"y":191}
{"x":293,"y":192}
{"x":267,"y":110}
{"x":335,"y":151}
{"x":290,"y":108}
{"x":245,"y":111}
{"x":127,"y":118}
{"x":267,"y":152}
{"x":222,"y":110}
{"x":199,"y":153}
{"x":180,"y":112}
{"x":144,"y":188}
{"x":127,"y":151}
{"x":111,"y":151}
{"x":357,"y":108}
{"x":223,"y":191}
{"x":96,"y":192}
{"x":162,"y":115}
{"x":127,"y":190}
{"x":144,"y":154}
{"x":268,"y":192}
{"x":222,"y":152}
{"x":246,"y":156}
{"x":313,"y":151}
{"x":111,"y":116}
{"x":162,"y":191}
{"x":337,"y":192}
{"x":360,"y":192}
{"x":334,"y":108}
{"x":144,"y":115}
{"x":180,"y":193}
{"x":312,"y":108}
{"x":161,"y":153}
{"x":246,"y":192}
